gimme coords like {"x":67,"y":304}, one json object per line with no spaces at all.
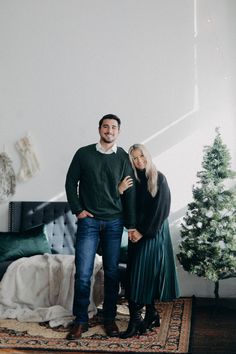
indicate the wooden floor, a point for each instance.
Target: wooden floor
{"x":213,"y":329}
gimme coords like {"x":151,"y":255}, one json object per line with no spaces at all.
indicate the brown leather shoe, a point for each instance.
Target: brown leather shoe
{"x":76,"y":331}
{"x":111,"y":329}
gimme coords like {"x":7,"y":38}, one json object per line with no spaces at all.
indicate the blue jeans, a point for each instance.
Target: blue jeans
{"x":90,"y":232}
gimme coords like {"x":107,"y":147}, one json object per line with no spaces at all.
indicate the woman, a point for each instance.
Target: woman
{"x":151,"y":267}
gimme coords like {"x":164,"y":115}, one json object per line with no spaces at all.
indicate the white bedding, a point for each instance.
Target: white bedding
{"x":40,"y":288}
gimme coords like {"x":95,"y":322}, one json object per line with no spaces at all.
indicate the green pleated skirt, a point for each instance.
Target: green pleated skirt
{"x":151,"y":269}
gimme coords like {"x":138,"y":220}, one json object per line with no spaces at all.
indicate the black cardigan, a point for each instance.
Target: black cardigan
{"x":151,"y":212}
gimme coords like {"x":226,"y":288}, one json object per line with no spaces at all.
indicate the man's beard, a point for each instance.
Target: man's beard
{"x":108,"y":140}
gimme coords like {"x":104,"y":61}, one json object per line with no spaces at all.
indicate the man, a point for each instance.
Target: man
{"x":92,"y":192}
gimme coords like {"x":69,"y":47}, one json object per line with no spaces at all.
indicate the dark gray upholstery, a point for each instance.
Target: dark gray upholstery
{"x":3,"y":267}
{"x":60,"y":222}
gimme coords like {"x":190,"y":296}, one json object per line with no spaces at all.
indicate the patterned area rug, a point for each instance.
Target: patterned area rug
{"x":171,"y":337}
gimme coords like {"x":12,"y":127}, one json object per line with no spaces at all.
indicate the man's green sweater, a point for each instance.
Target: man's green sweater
{"x":92,"y":184}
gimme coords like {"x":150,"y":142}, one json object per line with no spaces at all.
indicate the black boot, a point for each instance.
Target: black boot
{"x":151,"y":318}
{"x":135,"y":325}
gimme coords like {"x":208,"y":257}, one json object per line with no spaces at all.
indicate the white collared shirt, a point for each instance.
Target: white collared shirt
{"x":109,"y":151}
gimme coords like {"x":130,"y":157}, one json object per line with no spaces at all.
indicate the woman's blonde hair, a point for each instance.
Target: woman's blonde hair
{"x":151,"y":170}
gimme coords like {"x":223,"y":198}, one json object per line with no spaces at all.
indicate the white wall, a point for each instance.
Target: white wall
{"x":166,"y":67}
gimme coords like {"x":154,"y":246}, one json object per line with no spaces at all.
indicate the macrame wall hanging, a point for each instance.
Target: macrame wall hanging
{"x":29,"y":162}
{"x":29,"y":167}
{"x":7,"y":178}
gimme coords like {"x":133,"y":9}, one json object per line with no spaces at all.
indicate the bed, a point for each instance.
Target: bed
{"x":37,"y":264}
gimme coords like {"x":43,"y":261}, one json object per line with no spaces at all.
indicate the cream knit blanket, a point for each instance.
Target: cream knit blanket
{"x":40,"y":288}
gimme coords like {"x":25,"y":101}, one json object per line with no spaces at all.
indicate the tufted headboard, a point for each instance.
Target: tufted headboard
{"x":60,"y":222}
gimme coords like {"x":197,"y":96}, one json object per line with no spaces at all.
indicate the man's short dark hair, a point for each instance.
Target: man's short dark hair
{"x":110,"y":116}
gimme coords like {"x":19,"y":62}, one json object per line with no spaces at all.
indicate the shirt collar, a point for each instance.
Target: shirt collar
{"x":110,"y":151}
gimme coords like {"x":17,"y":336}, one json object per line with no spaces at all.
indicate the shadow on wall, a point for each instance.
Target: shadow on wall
{"x":185,"y":124}
{"x":174,"y":134}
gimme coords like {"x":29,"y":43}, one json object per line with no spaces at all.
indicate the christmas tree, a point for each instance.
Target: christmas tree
{"x":208,"y":230}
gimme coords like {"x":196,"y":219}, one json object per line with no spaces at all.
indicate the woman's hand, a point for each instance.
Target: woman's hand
{"x":134,"y":235}
{"x":125,"y":184}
